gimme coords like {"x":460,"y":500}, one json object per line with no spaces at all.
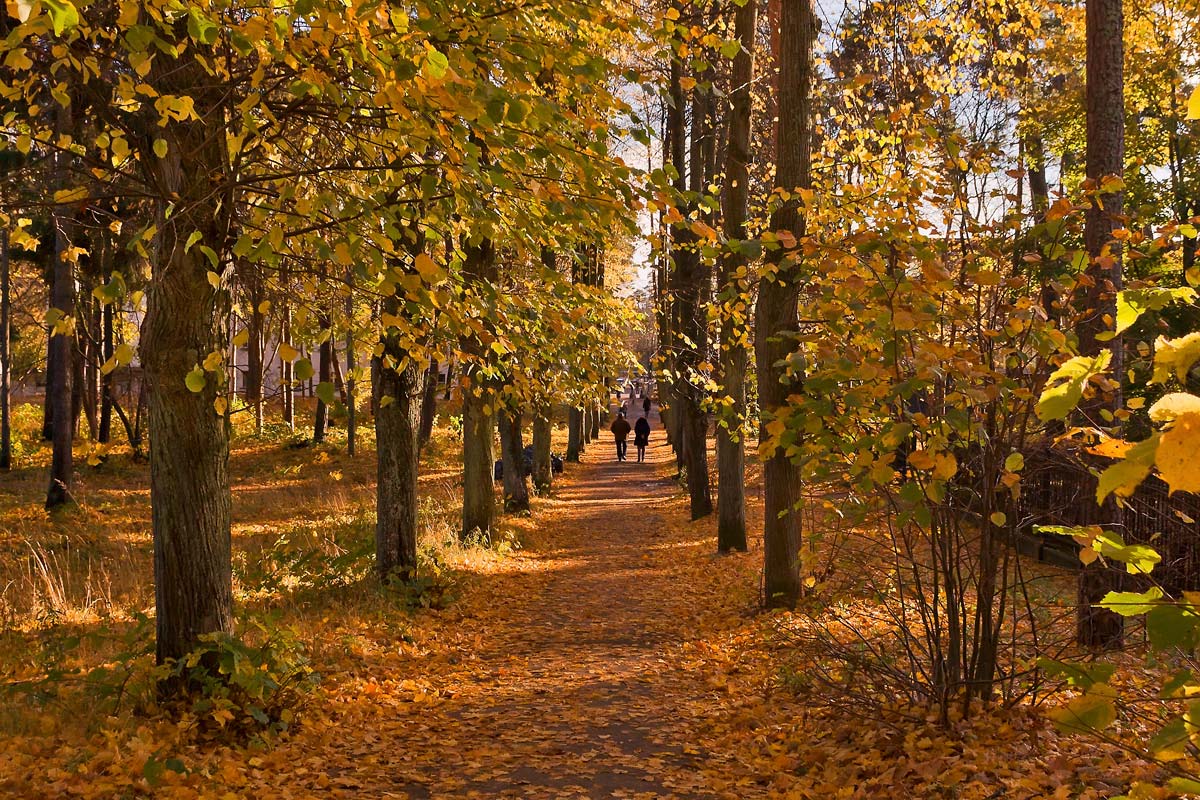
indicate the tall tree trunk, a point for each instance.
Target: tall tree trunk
{"x":478,"y":417}
{"x":60,"y":358}
{"x":594,"y":423}
{"x":574,"y":433}
{"x":731,"y":448}
{"x":429,"y":401}
{"x":90,"y":349}
{"x":512,"y":453}
{"x":543,"y":469}
{"x":106,"y":381}
{"x":5,"y":355}
{"x":396,"y":452}
{"x":695,"y":280}
{"x":255,"y":341}
{"x":287,"y":373}
{"x":449,"y":378}
{"x":1098,"y":627}
{"x":351,"y":365}
{"x":187,"y":318}
{"x":778,"y":298}
{"x":321,"y":420}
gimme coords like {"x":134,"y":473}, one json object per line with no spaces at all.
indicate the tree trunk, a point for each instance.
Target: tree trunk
{"x":255,"y":323}
{"x":594,"y":422}
{"x":5,"y":357}
{"x":106,"y":381}
{"x":512,"y":452}
{"x":89,"y":351}
{"x":186,"y":319}
{"x":59,"y":387}
{"x":321,"y":420}
{"x":574,"y":433}
{"x":429,"y":402}
{"x":396,"y":452}
{"x":731,"y":447}
{"x":351,"y":365}
{"x":543,"y":469}
{"x":1098,"y":627}
{"x":449,"y":378}
{"x":286,"y":373}
{"x":478,"y":417}
{"x":777,"y":313}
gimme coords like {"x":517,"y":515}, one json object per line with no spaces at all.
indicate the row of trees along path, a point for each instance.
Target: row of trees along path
{"x":582,"y":672}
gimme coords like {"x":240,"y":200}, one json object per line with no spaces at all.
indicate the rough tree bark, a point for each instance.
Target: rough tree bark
{"x":479,"y":421}
{"x":543,"y":471}
{"x":429,"y":402}
{"x":778,"y":297}
{"x":60,"y":359}
{"x":396,"y":453}
{"x":324,"y":375}
{"x":5,"y":358}
{"x":1098,"y":627}
{"x":731,"y":446}
{"x":574,"y":433}
{"x":186,"y":319}
{"x":512,"y":454}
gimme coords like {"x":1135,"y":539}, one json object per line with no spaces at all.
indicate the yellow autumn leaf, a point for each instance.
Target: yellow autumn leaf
{"x":1176,"y":456}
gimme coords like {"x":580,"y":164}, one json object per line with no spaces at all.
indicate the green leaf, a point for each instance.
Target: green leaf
{"x":160,"y":148}
{"x":1132,"y":303}
{"x":1171,"y":741}
{"x":436,"y":64}
{"x":201,"y":28}
{"x":63,"y":15}
{"x":1077,"y":675}
{"x":302,"y":370}
{"x":1129,"y":604}
{"x":1064,"y":390}
{"x":1093,"y":711}
{"x":191,"y":240}
{"x":195,"y":380}
{"x":731,"y":48}
{"x":1170,"y":626}
{"x":1014,"y":463}
{"x":324,"y":391}
{"x":1126,"y":475}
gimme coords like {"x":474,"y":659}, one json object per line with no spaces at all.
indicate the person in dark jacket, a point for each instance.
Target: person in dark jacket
{"x":641,"y":437}
{"x":646,"y":404}
{"x":620,"y":430}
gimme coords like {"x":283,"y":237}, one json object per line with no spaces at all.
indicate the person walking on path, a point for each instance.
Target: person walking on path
{"x":646,"y":405}
{"x":620,"y":429}
{"x":641,"y":437}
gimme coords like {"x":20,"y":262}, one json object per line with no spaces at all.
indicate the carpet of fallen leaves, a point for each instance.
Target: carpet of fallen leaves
{"x":612,"y":655}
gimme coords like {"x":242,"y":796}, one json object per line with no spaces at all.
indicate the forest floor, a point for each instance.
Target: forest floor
{"x":604,"y":651}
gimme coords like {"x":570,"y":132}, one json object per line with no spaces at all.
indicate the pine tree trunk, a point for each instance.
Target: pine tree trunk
{"x":478,"y":417}
{"x":429,"y":402}
{"x":186,"y":319}
{"x":59,"y":386}
{"x":396,"y":451}
{"x":1098,"y":627}
{"x":777,"y":312}
{"x":512,"y":453}
{"x":543,"y":469}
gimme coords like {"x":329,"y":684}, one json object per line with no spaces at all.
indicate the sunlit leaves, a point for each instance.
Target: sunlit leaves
{"x":1065,"y":387}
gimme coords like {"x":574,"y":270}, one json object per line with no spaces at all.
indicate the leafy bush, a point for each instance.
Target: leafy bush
{"x":230,"y":683}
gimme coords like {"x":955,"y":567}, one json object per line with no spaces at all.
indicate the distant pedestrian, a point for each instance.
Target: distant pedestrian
{"x":641,"y":437}
{"x":646,"y":405}
{"x":620,"y":430}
